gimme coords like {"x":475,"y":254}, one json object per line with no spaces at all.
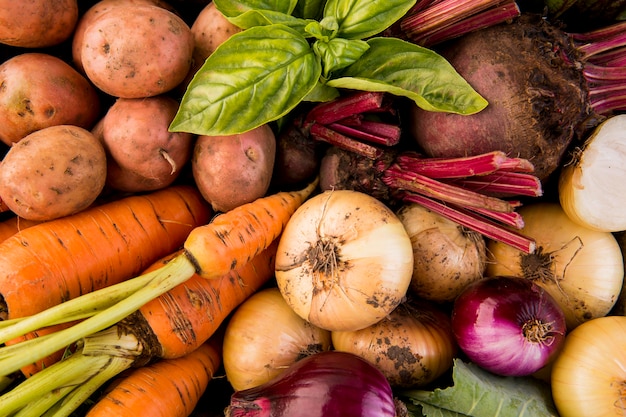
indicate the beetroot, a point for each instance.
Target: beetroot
{"x":531,"y":72}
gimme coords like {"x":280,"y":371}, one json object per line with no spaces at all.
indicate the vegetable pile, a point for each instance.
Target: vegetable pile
{"x":403,"y":208}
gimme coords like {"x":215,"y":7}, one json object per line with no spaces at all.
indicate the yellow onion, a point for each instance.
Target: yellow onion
{"x":344,"y":260}
{"x":589,"y":374}
{"x":446,"y":256}
{"x":412,"y":346}
{"x":591,"y":187}
{"x":264,"y":337}
{"x":581,"y":268}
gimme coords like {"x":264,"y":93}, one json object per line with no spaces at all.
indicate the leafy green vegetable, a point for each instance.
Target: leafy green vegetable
{"x":478,"y":393}
{"x":279,"y":60}
{"x":409,"y":70}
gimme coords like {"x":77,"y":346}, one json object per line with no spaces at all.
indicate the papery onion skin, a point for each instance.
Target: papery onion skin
{"x":446,"y":257}
{"x":264,"y":337}
{"x":412,"y":347}
{"x":321,"y":385}
{"x":583,"y":269}
{"x":589,"y":374}
{"x":508,"y":325}
{"x":344,"y":260}
{"x":590,"y":188}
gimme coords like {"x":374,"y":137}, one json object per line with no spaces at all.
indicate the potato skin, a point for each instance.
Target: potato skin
{"x":235,"y":169}
{"x":143,"y":155}
{"x":136,"y":50}
{"x":40,"y":90}
{"x":37,"y":23}
{"x":53,"y":172}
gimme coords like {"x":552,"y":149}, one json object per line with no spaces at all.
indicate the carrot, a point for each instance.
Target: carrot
{"x":167,"y":388}
{"x":173,"y":325}
{"x":52,"y":262}
{"x":14,"y":224}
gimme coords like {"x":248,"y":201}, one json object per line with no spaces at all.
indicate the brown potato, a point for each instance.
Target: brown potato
{"x":143,"y":155}
{"x":53,"y":172}
{"x":37,"y":23}
{"x":136,"y":50}
{"x":39,"y":90}
{"x":233,"y":170}
{"x":93,"y":13}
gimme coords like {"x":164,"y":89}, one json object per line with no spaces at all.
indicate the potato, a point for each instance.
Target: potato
{"x":143,"y":155}
{"x":92,"y":14}
{"x":37,"y":23}
{"x":236,"y":169}
{"x":40,"y":90}
{"x":136,"y":50}
{"x":53,"y":172}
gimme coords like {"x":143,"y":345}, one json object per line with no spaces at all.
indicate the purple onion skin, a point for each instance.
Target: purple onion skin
{"x":488,"y":321}
{"x":324,"y":384}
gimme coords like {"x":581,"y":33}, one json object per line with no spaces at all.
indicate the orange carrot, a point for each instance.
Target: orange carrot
{"x":167,"y":388}
{"x":14,"y":224}
{"x":55,"y":261}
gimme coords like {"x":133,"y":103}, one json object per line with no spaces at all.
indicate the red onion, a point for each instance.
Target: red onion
{"x":330,"y":383}
{"x":507,"y":325}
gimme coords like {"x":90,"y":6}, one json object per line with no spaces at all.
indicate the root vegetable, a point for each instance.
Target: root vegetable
{"x":235,"y":169}
{"x":136,"y":51}
{"x":53,"y":172}
{"x":32,"y":97}
{"x":344,"y":261}
{"x":545,"y":87}
{"x":142,"y":155}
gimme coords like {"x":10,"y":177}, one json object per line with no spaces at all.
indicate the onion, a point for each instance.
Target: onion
{"x":344,"y":260}
{"x":582,"y":269}
{"x":412,"y":347}
{"x":589,"y":373}
{"x":446,"y":256}
{"x":590,"y":188}
{"x":324,"y":384}
{"x":264,"y":337}
{"x":508,"y":325}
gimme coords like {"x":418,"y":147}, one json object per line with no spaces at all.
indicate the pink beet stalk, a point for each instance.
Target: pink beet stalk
{"x":438,"y":21}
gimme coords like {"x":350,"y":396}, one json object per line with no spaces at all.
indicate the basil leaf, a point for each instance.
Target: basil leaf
{"x":359,"y":19}
{"x":251,"y":18}
{"x":254,"y":77}
{"x":339,"y":53}
{"x":233,"y":8}
{"x":321,"y":93}
{"x":309,"y":9}
{"x":406,"y":69}
{"x":478,"y":393}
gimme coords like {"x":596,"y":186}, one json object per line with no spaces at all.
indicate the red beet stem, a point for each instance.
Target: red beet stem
{"x":503,"y":183}
{"x":375,"y":132}
{"x":335,"y":110}
{"x":324,"y":133}
{"x":446,"y":19}
{"x":399,"y":179}
{"x":475,"y":222}
{"x":452,"y":167}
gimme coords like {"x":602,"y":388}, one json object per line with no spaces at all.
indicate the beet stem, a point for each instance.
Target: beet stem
{"x":452,"y":167}
{"x":375,"y":132}
{"x":335,"y":110}
{"x":325,"y":134}
{"x":503,"y":182}
{"x":398,"y":179}
{"x":475,"y":222}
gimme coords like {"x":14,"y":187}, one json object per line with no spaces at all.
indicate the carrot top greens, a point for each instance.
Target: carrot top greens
{"x":294,"y":51}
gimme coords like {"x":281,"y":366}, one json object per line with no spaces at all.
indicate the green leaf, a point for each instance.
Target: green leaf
{"x":251,"y":18}
{"x":405,"y":69}
{"x":321,"y":93}
{"x":256,"y":76}
{"x":338,"y":53}
{"x":478,"y":393}
{"x":360,"y":19}
{"x":233,"y":8}
{"x":309,"y":9}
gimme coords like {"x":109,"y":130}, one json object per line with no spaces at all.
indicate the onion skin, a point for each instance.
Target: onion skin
{"x":324,"y":384}
{"x":412,"y":347}
{"x":488,"y":321}
{"x":344,"y":260}
{"x":264,"y":337}
{"x":589,"y":374}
